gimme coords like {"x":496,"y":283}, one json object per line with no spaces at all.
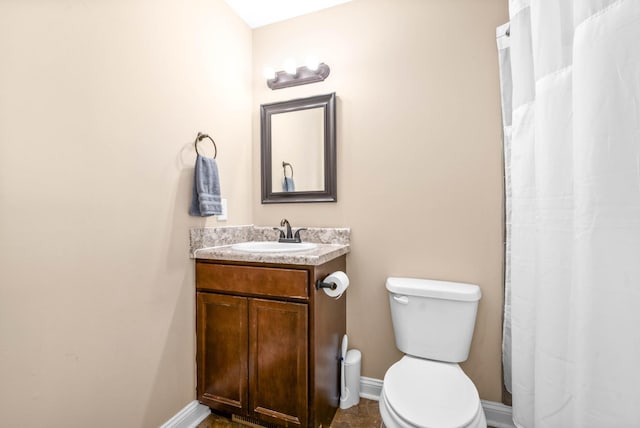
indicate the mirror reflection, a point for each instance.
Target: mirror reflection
{"x":297,"y":151}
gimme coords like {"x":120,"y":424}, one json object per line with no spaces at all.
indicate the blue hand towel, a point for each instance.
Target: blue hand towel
{"x":288,"y":185}
{"x":206,"y":199}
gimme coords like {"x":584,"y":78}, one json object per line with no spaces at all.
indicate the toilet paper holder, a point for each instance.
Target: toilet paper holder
{"x":321,"y":284}
{"x":333,"y":285}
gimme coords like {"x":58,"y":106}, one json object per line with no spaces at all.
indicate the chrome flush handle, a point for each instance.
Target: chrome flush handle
{"x":403,"y":300}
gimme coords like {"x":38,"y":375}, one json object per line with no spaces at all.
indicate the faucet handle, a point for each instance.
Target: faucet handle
{"x":296,"y":236}
{"x":281,"y":232}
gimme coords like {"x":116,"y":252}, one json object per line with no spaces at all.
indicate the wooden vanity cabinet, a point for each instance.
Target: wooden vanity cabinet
{"x":268,"y":342}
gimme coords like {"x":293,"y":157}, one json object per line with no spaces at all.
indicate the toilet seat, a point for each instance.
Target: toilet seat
{"x":430,"y":394}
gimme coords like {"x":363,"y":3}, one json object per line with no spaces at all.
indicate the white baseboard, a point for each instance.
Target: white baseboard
{"x":498,"y":415}
{"x":189,"y":417}
{"x":370,"y":388}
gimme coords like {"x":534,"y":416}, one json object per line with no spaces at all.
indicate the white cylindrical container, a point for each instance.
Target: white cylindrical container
{"x":352,"y":367}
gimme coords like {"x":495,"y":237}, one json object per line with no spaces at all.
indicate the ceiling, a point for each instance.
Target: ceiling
{"x":257,"y":13}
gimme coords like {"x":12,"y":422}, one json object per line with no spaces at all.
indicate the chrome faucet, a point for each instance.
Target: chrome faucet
{"x":289,"y":236}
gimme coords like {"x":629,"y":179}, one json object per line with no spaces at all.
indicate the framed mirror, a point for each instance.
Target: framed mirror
{"x":298,"y":150}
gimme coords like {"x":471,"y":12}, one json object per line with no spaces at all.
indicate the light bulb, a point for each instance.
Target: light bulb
{"x":290,"y":66}
{"x":269,"y":73}
{"x":312,"y":63}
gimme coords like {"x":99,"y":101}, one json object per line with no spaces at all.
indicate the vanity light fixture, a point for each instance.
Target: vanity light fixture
{"x":294,"y":76}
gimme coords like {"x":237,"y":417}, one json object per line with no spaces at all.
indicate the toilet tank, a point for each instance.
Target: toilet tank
{"x":433,"y":319}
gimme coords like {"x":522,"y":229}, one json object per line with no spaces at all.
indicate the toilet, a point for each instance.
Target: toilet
{"x":433,"y":324}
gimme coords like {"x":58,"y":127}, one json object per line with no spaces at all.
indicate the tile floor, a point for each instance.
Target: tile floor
{"x":364,"y":415}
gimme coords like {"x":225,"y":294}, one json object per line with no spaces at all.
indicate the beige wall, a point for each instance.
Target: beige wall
{"x":99,"y":104}
{"x":419,"y":155}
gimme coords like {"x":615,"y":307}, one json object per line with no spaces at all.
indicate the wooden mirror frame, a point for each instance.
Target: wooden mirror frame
{"x":329,"y":193}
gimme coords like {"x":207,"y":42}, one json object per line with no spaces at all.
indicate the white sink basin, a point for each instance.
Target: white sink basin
{"x":273,"y":247}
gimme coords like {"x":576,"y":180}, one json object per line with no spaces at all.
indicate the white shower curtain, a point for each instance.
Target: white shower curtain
{"x":570,"y":74}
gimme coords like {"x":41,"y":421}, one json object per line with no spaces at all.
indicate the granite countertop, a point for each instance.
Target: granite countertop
{"x":216,"y":244}
{"x":317,"y":256}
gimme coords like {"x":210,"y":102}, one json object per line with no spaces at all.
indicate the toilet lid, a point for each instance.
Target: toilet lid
{"x":431,"y":394}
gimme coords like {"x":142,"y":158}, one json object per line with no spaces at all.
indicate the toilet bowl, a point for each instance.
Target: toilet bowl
{"x":433,"y":324}
{"x":419,"y":393}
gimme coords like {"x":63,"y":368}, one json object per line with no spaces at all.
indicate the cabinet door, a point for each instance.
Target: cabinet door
{"x":278,"y":362}
{"x":222,"y":348}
